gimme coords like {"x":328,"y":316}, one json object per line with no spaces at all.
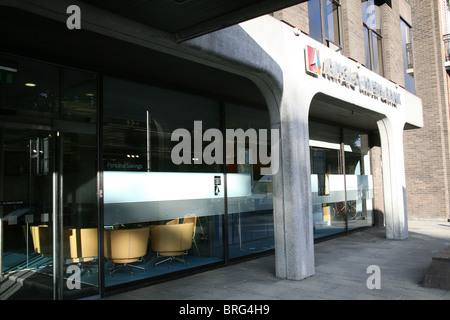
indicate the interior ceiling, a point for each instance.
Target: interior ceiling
{"x":98,"y":53}
{"x":340,"y":112}
{"x":94,"y":52}
{"x":190,"y":18}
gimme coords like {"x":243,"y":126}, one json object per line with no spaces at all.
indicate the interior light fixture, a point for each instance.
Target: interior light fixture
{"x":29,"y":84}
{"x":8,"y":69}
{"x":90,"y":94}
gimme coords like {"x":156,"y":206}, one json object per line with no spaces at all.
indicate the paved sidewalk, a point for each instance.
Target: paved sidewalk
{"x":341,"y":272}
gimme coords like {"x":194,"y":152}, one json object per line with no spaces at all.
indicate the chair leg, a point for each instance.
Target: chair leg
{"x":171,"y":260}
{"x":130,"y":267}
{"x":163,"y":261}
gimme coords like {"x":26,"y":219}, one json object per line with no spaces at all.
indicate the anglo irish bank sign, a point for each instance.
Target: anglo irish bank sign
{"x":339,"y":72}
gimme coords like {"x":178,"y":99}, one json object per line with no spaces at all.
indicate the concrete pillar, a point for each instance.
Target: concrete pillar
{"x":294,"y":238}
{"x":394,"y":184}
{"x":270,"y":59}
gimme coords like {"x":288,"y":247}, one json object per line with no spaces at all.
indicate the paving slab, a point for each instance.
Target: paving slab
{"x":341,"y":272}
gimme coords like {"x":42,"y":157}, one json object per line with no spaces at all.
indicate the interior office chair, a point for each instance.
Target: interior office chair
{"x":174,"y":221}
{"x":42,"y":237}
{"x":126,"y":246}
{"x":83,"y":247}
{"x":172,"y":241}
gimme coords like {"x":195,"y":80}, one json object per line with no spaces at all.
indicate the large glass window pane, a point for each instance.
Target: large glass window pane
{"x":79,"y":196}
{"x":168,"y":206}
{"x":367,"y":48}
{"x":407,"y":56}
{"x":368,"y":13}
{"x":372,"y":36}
{"x":327,"y":180}
{"x":377,"y":54}
{"x":315,"y":20}
{"x":359,"y":181}
{"x":250,"y":193}
{"x":28,"y":105}
{"x":331,"y":19}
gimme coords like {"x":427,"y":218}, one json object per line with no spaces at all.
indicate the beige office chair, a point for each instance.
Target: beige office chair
{"x":42,"y":236}
{"x":174,"y":221}
{"x":172,"y":241}
{"x":83,"y":244}
{"x":125,"y":246}
{"x":83,"y":248}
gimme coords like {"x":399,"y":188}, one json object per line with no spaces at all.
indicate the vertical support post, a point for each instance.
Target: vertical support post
{"x":394,"y":182}
{"x":148,"y":141}
{"x":294,"y":238}
{"x":2,"y":174}
{"x":58,"y":258}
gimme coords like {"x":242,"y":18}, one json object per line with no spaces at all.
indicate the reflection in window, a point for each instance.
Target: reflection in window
{"x":324,"y":23}
{"x":367,"y":48}
{"x":172,"y":213}
{"x":372,"y":36}
{"x":331,"y":14}
{"x":52,"y":175}
{"x":359,"y":181}
{"x":407,"y":56}
{"x":250,"y":215}
{"x":176,"y":212}
{"x":341,"y":182}
{"x":315,"y":20}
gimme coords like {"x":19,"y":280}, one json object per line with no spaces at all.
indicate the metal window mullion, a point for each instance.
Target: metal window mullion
{"x":322,"y":22}
{"x":57,"y":210}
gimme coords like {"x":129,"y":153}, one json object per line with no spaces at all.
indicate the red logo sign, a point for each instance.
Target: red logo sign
{"x":313,"y":64}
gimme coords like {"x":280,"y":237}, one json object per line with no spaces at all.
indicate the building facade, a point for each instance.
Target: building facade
{"x":131,"y":154}
{"x":427,"y":183}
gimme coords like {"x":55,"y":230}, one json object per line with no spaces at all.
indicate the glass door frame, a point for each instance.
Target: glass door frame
{"x":342,"y":168}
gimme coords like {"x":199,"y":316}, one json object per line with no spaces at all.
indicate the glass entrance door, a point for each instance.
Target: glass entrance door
{"x":359,"y":181}
{"x":341,"y":180}
{"x":48,"y":181}
{"x":26,"y":209}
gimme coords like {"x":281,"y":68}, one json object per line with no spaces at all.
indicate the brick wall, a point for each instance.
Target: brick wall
{"x":392,"y":42}
{"x":296,"y":16}
{"x":352,"y":30}
{"x":427,"y":149}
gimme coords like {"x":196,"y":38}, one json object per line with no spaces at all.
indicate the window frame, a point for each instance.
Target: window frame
{"x":329,"y":43}
{"x":371,"y":33}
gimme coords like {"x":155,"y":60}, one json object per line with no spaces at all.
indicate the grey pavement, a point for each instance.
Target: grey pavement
{"x":341,"y":272}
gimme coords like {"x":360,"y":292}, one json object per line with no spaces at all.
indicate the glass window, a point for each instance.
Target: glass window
{"x":368,"y":14}
{"x":315,"y":20}
{"x":48,"y":148}
{"x":165,"y":182}
{"x":331,"y":15}
{"x":367,"y":48}
{"x":341,"y":182}
{"x":373,"y":40}
{"x":359,"y":181}
{"x":327,"y":180}
{"x":250,"y":213}
{"x":172,"y":213}
{"x":79,"y":183}
{"x":324,"y":23}
{"x":407,"y":56}
{"x":377,"y":54}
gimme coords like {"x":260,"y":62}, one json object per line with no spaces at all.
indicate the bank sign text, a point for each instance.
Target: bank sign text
{"x":341,"y":73}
